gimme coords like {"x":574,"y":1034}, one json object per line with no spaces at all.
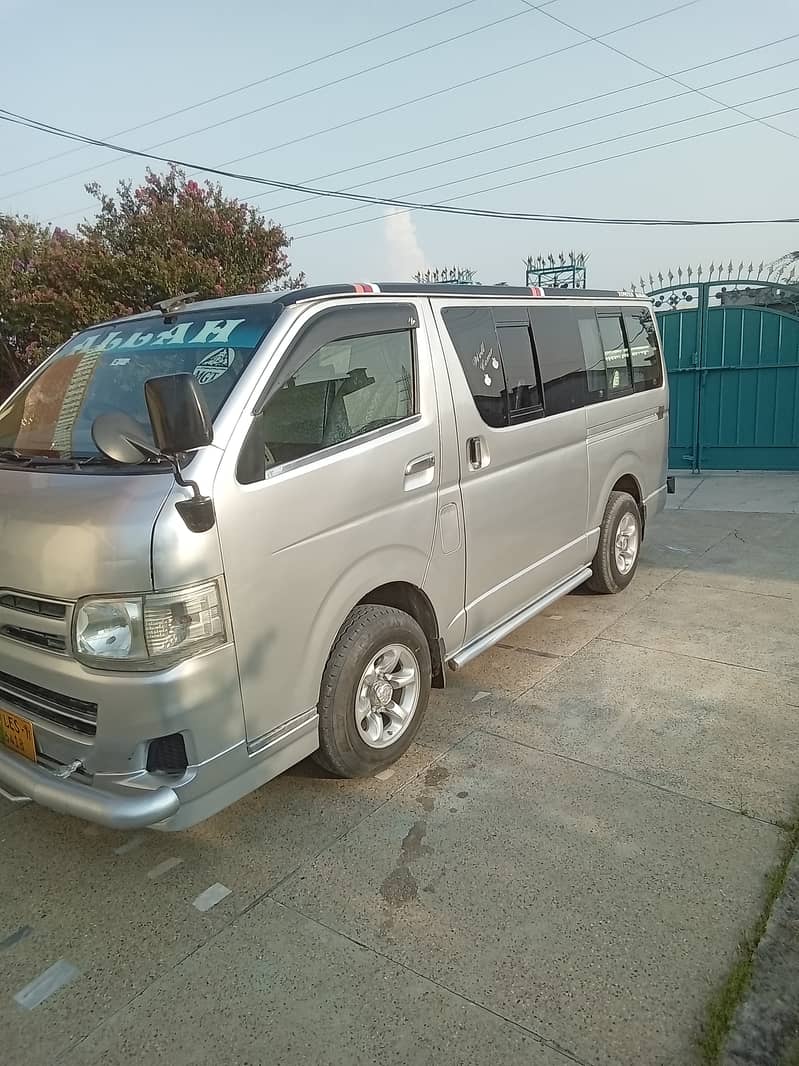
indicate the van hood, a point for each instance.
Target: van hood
{"x":67,"y":535}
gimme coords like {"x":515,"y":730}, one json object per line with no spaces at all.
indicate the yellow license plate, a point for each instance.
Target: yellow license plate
{"x":17,"y":733}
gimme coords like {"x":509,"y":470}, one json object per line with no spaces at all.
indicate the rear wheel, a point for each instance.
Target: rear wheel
{"x":617,"y":554}
{"x":374,"y":691}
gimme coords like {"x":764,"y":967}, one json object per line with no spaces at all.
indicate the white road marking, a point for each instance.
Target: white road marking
{"x":480,"y":696}
{"x":163,"y":868}
{"x":210,"y":897}
{"x":43,"y":986}
{"x":129,"y":845}
{"x":385,"y":775}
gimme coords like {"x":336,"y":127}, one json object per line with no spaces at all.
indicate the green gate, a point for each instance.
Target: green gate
{"x":731,"y":344}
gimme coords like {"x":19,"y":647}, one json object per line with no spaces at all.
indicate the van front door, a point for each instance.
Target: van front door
{"x":328,"y":492}
{"x":524,"y":472}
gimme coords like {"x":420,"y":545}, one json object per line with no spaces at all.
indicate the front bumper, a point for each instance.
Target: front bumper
{"x":116,"y":811}
{"x":199,"y":698}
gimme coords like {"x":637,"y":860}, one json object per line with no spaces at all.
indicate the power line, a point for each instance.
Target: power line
{"x":426,"y":96}
{"x":443,"y":207}
{"x":253,"y":84}
{"x":546,"y":133}
{"x":443,"y":204}
{"x":551,"y":155}
{"x":654,"y":70}
{"x":453,"y":88}
{"x":289,"y":99}
{"x":547,"y":111}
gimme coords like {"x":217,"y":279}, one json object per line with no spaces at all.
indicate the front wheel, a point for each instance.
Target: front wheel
{"x":374,"y":691}
{"x":617,"y":554}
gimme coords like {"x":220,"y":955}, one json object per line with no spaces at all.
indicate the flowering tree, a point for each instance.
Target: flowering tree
{"x":167,"y":236}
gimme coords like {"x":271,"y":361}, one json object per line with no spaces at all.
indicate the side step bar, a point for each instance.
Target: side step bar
{"x":493,"y":636}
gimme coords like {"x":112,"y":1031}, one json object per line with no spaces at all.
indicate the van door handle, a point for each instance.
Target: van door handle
{"x":661,"y":412}
{"x":474,"y":448}
{"x":420,"y":464}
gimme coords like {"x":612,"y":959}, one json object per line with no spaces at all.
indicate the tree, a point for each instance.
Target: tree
{"x":169,"y":235}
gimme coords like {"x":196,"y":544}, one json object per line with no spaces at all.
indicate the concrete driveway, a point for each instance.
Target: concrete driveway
{"x":558,"y":872}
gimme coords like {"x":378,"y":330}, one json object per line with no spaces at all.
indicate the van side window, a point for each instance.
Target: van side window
{"x":593,"y":356}
{"x":617,"y":361}
{"x":474,"y":337}
{"x":644,"y":350}
{"x":521,"y":379}
{"x":558,"y":345}
{"x":348,"y":387}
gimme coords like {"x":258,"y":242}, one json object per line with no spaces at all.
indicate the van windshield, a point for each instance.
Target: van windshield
{"x":104,"y":369}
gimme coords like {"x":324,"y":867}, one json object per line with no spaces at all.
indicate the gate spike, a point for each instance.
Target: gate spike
{"x":712,"y":268}
{"x":729,"y":270}
{"x":699,"y":272}
{"x":651,"y":282}
{"x":679,"y":275}
{"x":671,"y":277}
{"x":690,"y":272}
{"x":660,"y":279}
{"x":643,"y":284}
{"x":749,"y":270}
{"x":741,"y":269}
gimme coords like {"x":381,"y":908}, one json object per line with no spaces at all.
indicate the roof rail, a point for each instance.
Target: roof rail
{"x":401,"y":288}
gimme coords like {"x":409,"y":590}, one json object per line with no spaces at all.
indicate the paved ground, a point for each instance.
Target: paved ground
{"x":558,"y":872}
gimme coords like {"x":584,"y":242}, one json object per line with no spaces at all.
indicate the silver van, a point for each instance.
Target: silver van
{"x":240,"y":532}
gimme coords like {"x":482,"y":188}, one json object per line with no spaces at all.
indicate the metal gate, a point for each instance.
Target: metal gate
{"x":731,"y":344}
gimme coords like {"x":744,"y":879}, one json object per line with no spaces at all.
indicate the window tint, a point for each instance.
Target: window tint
{"x":617,"y":364}
{"x":474,"y":337}
{"x":644,"y":351}
{"x":557,"y":334}
{"x":346,"y":388}
{"x":516,"y":348}
{"x":593,"y":356}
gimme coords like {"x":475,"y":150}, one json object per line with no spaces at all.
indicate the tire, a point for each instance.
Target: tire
{"x":608,"y":577}
{"x":358,"y":670}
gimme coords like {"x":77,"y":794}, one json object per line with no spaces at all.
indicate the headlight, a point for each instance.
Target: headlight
{"x":151,"y":631}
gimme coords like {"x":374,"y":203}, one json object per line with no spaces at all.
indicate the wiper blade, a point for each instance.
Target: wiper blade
{"x":11,"y":455}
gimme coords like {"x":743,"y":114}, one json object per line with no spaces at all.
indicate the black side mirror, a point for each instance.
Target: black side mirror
{"x":182,"y":423}
{"x":178,"y":414}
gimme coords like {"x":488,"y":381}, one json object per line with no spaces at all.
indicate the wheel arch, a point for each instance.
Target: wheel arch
{"x":620,"y":477}
{"x":409,"y":598}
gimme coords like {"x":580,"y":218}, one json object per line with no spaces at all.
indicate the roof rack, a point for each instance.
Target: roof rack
{"x":400,"y":288}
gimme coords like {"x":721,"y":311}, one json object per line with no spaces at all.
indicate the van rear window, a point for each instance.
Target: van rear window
{"x":104,"y":369}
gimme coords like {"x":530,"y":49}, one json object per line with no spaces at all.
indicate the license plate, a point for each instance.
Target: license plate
{"x":17,"y":733}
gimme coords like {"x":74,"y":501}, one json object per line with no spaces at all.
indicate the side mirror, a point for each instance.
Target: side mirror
{"x":178,"y":414}
{"x":182,"y":423}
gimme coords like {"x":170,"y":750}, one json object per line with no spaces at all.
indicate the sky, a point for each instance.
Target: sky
{"x":448,"y":113}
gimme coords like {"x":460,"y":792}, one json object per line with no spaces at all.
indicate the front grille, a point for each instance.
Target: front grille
{"x":32,"y":636}
{"x":31,"y":605}
{"x":77,"y":715}
{"x":34,"y":620}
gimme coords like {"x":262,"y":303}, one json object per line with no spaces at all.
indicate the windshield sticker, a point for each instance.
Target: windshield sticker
{"x":214,"y":365}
